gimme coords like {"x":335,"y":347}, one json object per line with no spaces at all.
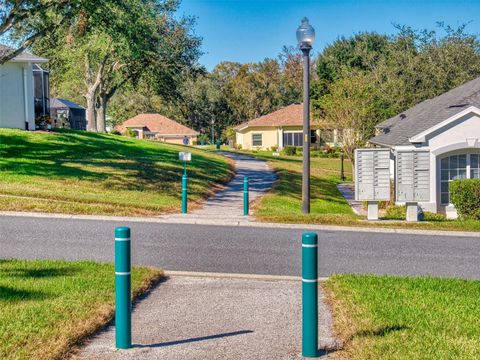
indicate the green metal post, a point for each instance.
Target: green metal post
{"x":309,"y":295}
{"x":184,"y":189}
{"x":245,"y":195}
{"x":123,"y":302}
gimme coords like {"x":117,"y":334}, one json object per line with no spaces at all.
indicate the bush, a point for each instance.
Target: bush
{"x":465,"y":196}
{"x":238,"y":146}
{"x":274,"y":148}
{"x":115,"y":132}
{"x":194,"y":142}
{"x":400,"y":213}
{"x":290,"y":150}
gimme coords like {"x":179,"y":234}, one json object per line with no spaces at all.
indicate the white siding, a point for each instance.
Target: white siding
{"x":12,"y":96}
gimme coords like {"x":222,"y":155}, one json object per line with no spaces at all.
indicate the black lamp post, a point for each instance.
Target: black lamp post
{"x":213,"y":131}
{"x":305,"y":38}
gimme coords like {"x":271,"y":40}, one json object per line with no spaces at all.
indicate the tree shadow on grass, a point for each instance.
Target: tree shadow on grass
{"x":117,"y":161}
{"x":38,"y":273}
{"x":10,"y":294}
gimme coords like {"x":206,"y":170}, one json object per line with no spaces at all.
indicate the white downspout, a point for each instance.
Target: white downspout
{"x":25,"y":95}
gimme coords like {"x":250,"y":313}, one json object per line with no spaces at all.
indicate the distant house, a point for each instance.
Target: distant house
{"x":158,"y":127}
{"x":448,"y":128}
{"x":67,"y":111}
{"x":24,"y":90}
{"x":280,"y":128}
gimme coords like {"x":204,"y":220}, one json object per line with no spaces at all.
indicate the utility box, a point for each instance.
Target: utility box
{"x":413,"y":176}
{"x":372,"y":174}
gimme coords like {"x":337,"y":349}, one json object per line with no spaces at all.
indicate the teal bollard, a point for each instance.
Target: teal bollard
{"x":184,"y":193}
{"x":123,"y":302}
{"x":309,"y":295}
{"x":245,"y":195}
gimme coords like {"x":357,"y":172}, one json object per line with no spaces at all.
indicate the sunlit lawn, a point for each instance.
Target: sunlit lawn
{"x":88,"y":173}
{"x":47,"y":306}
{"x":387,"y":317}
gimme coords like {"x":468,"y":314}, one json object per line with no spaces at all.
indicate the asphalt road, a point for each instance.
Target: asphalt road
{"x":241,"y":249}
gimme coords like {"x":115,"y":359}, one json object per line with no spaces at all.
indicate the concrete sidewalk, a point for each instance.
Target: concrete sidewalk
{"x":227,"y":204}
{"x":188,"y":317}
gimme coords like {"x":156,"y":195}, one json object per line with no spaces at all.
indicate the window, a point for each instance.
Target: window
{"x":256,"y":139}
{"x":454,"y":167}
{"x":292,"y":139}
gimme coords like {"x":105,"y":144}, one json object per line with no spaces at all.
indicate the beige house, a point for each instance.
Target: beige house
{"x":277,"y":129}
{"x":158,"y":127}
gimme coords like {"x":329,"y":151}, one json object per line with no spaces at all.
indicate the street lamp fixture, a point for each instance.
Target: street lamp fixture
{"x":305,"y":38}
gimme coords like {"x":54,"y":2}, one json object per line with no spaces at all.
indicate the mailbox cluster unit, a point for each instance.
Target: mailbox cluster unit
{"x":372,"y":178}
{"x":413,"y":176}
{"x":372,"y":174}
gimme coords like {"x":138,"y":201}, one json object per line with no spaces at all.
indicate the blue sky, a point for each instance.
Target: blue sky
{"x":252,"y":30}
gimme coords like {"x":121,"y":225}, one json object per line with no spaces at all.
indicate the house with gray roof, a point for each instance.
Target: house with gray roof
{"x":23,"y":90}
{"x":448,"y":127}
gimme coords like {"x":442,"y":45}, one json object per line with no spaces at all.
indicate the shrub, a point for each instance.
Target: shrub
{"x":465,"y":195}
{"x":290,"y":150}
{"x":400,"y":213}
{"x":194,"y":142}
{"x":115,"y":132}
{"x":239,"y":146}
{"x":274,"y":148}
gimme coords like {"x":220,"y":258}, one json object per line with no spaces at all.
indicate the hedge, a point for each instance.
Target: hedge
{"x":465,"y":196}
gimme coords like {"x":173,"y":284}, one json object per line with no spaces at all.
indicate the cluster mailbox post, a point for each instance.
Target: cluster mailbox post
{"x":372,"y":178}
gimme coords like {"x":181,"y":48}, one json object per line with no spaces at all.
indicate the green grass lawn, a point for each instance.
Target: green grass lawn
{"x":283,"y":203}
{"x":386,"y":317}
{"x":86,"y":173}
{"x":46,"y":307}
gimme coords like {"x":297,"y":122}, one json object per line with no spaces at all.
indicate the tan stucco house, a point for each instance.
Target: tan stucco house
{"x":448,"y":128}
{"x":277,"y":129}
{"x":158,"y":127}
{"x":23,"y":90}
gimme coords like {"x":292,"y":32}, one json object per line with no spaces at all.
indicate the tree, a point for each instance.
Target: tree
{"x":355,"y":106}
{"x":24,"y":22}
{"x":105,"y":53}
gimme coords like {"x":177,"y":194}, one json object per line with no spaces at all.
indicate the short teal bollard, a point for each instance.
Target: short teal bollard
{"x":245,"y":195}
{"x":309,"y":295}
{"x":184,"y":193}
{"x":123,"y":302}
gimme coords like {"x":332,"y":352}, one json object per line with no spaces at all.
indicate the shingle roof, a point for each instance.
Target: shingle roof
{"x":427,"y":114}
{"x":157,"y":123}
{"x":22,"y":57}
{"x":63,"y":103}
{"x":291,"y":115}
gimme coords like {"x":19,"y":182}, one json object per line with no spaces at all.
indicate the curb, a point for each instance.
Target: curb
{"x":234,"y":276}
{"x":241,"y":223}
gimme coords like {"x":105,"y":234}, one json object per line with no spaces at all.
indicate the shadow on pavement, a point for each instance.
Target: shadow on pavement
{"x":191,"y":340}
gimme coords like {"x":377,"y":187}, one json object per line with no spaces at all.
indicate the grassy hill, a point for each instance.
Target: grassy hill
{"x":86,"y":173}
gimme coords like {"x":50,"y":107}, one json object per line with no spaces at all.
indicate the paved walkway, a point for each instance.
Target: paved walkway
{"x":227,"y":204}
{"x":215,"y":318}
{"x":348,"y":192}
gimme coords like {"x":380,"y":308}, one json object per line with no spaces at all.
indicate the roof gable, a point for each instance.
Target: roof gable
{"x":22,"y":57}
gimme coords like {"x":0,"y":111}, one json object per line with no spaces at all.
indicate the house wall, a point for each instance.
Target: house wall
{"x":270,"y":137}
{"x":16,"y":80}
{"x":175,"y":139}
{"x":459,"y":137}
